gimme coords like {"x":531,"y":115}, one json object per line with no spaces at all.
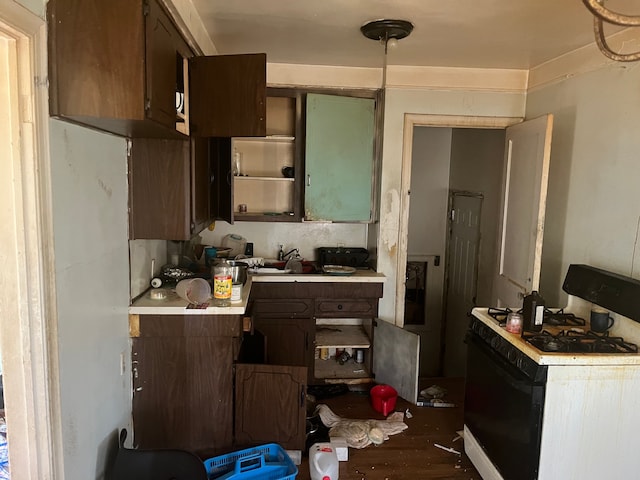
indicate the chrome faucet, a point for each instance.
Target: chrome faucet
{"x":297,"y":254}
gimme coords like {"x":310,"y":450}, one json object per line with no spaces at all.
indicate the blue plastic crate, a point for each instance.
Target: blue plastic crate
{"x":265,"y":462}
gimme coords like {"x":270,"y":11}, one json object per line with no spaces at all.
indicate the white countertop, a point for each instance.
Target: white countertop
{"x":359,"y":276}
{"x":174,"y":305}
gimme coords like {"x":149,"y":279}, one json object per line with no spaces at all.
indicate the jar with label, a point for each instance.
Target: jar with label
{"x":236,"y":292}
{"x":222,"y":285}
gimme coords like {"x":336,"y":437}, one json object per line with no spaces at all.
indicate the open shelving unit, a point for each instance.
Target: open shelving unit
{"x":336,"y":335}
{"x":258,"y":162}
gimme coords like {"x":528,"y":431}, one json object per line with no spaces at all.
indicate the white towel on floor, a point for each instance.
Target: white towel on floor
{"x":361,"y":433}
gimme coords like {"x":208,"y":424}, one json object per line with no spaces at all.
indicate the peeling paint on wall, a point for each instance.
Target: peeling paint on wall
{"x":389,"y":222}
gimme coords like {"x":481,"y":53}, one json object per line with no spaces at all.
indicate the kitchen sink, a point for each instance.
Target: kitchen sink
{"x":277,"y":268}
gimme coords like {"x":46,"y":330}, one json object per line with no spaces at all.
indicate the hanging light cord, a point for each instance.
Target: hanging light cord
{"x":602,"y":14}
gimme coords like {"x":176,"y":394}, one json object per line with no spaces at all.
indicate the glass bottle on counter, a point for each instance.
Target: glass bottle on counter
{"x":532,"y":312}
{"x":222,"y":285}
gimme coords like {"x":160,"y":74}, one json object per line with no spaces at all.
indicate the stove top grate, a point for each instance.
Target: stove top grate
{"x":557,"y":318}
{"x":571,"y":341}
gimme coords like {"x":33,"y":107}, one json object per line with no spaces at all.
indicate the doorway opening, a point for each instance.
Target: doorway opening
{"x":443,"y":155}
{"x":27,"y":327}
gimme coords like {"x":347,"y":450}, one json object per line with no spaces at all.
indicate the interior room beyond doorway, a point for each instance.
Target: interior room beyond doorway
{"x":446,"y":160}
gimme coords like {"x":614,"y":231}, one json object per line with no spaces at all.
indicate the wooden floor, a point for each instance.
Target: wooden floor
{"x":410,"y":454}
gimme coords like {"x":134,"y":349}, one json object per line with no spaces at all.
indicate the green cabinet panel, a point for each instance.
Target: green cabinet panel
{"x":339,"y":156}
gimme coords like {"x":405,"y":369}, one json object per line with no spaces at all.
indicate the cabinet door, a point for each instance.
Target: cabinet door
{"x":201,"y":184}
{"x":270,"y":405}
{"x":96,"y":62}
{"x":183,"y":392}
{"x":339,"y":158}
{"x":161,"y":50}
{"x":288,"y":341}
{"x":228,"y":95}
{"x":222,"y":194}
{"x":159,"y":189}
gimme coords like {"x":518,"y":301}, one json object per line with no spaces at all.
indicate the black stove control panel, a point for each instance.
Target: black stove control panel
{"x":506,"y":350}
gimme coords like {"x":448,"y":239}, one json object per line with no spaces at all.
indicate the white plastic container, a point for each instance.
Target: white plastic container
{"x":236,"y":243}
{"x":323,"y":462}
{"x":194,"y":290}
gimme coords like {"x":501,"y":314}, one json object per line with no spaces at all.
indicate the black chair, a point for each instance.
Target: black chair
{"x":133,"y":464}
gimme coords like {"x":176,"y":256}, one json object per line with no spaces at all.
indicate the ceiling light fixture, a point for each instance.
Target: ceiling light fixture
{"x":387,"y":32}
{"x":602,"y":14}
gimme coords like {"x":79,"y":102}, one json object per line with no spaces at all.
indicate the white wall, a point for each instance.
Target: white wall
{"x":431,"y":154}
{"x":593,"y":204}
{"x":89,"y":194}
{"x":306,"y":236}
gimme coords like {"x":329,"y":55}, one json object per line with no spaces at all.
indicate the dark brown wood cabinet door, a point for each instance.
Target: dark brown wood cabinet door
{"x":228,"y":95}
{"x":160,"y":413}
{"x":96,"y":59}
{"x":270,"y":405}
{"x":201,"y":186}
{"x":183,"y":393}
{"x":288,"y":341}
{"x":159,"y":189}
{"x":162,"y":39}
{"x":222,"y":184}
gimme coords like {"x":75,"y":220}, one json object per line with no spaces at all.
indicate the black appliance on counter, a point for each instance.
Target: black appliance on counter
{"x":356,"y":257}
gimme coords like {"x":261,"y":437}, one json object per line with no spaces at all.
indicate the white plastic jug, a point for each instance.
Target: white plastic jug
{"x":323,"y":462}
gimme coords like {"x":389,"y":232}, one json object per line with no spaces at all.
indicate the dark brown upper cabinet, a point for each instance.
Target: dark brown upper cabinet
{"x":123,"y":67}
{"x":228,"y":95}
{"x":169,"y":188}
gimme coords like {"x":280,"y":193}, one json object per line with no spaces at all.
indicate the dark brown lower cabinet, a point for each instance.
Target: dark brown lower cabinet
{"x":270,"y":405}
{"x":288,"y":341}
{"x":183,"y":381}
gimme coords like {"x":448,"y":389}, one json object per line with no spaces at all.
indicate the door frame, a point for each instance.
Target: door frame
{"x":412,"y":120}
{"x":27,"y":296}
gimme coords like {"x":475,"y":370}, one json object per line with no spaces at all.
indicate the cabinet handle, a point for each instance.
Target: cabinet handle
{"x":308,"y":180}
{"x":339,"y":306}
{"x":301,"y":396}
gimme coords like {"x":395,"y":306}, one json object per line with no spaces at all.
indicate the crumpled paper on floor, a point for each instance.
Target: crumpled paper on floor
{"x":361,"y":433}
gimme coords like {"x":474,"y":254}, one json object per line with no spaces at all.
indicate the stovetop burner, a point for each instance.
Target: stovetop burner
{"x":571,"y":341}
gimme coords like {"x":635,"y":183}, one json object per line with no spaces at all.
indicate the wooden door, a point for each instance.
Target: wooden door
{"x":270,"y":405}
{"x":162,"y":41}
{"x":201,"y":184}
{"x":462,"y":277}
{"x":339,"y":158}
{"x":289,"y":341}
{"x":524,"y":197}
{"x":159,"y":189}
{"x":396,"y":355}
{"x":183,"y":392}
{"x":228,"y":95}
{"x":222,"y":197}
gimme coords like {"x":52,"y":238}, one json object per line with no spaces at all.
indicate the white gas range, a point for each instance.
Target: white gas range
{"x":567,"y":413}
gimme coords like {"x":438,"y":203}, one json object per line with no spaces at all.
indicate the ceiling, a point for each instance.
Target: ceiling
{"x":518,"y":34}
